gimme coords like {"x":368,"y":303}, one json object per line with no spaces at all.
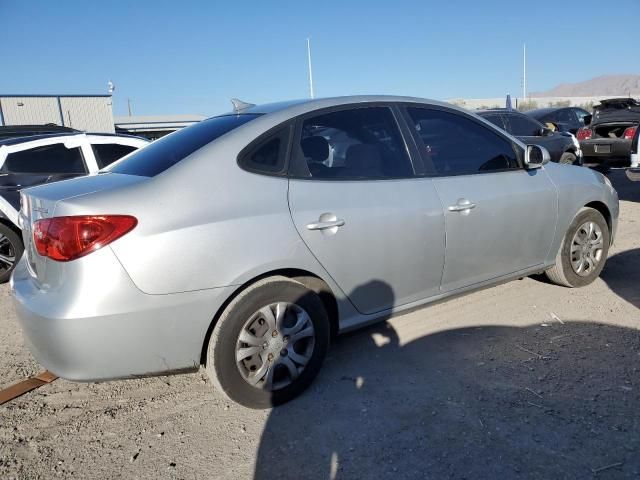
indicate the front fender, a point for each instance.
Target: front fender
{"x":578,"y":187}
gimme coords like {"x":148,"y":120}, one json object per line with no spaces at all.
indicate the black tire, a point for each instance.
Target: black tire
{"x":222,"y":367}
{"x":567,"y":158}
{"x":10,"y":246}
{"x":562,"y":273}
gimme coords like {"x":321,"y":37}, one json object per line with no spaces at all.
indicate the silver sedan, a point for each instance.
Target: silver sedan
{"x":246,"y":242}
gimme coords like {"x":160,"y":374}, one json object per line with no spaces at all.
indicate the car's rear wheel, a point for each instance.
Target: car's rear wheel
{"x":269,"y":343}
{"x":567,"y":158}
{"x":583,"y":252}
{"x":11,"y":249}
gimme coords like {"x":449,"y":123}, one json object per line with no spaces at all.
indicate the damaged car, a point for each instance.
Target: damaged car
{"x":611,"y":138}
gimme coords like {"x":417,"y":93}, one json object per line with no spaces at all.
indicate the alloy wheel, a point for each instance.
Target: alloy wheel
{"x":7,"y":254}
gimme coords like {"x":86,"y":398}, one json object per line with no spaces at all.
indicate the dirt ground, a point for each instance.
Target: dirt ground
{"x":524,"y":380}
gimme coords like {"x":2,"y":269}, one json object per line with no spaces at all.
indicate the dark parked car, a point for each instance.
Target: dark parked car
{"x":563,"y":147}
{"x":566,"y":119}
{"x":612,"y":136}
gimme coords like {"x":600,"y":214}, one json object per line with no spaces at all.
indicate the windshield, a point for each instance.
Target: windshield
{"x":164,"y":153}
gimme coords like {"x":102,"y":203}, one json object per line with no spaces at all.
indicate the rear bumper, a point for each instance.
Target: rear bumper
{"x":606,"y":151}
{"x":84,"y":333}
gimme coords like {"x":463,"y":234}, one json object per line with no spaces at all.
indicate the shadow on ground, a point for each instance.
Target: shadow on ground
{"x":560,"y":401}
{"x":622,"y":275}
{"x":627,"y":190}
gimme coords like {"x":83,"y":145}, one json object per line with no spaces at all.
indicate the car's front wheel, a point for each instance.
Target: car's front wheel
{"x":583,"y":252}
{"x":269,"y":343}
{"x":11,"y":250}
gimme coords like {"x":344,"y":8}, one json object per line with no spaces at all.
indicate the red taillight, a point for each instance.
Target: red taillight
{"x":584,"y":133}
{"x":67,"y":238}
{"x":629,"y":133}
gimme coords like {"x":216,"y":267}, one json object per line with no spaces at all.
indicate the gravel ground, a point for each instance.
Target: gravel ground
{"x":524,"y":380}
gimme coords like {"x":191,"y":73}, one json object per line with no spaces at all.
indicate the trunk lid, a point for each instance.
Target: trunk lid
{"x":616,"y":110}
{"x":42,"y":201}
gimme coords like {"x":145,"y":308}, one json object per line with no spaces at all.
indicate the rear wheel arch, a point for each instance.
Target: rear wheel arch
{"x":9,"y":224}
{"x":310,"y":280}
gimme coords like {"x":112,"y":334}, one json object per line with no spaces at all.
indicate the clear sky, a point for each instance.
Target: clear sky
{"x":192,"y":56}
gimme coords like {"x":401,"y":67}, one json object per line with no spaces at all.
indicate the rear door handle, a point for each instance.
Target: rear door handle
{"x":325,"y":225}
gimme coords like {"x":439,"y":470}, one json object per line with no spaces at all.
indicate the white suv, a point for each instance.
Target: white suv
{"x":38,"y":159}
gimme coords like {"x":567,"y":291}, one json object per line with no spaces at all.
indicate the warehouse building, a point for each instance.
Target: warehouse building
{"x":91,"y":113}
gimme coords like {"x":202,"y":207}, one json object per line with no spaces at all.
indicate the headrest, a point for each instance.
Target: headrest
{"x":316,"y":148}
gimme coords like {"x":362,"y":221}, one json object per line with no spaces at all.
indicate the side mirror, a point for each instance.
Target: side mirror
{"x":587,"y":119}
{"x":546,"y":132}
{"x":536,"y":156}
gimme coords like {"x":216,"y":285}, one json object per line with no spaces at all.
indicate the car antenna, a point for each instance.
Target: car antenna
{"x":239,"y":105}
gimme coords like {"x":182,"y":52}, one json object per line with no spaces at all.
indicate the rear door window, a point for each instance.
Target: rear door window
{"x":49,"y":159}
{"x":164,"y":153}
{"x":566,"y":116}
{"x":522,"y":126}
{"x":107,"y":153}
{"x":356,"y":144}
{"x":453,"y":144}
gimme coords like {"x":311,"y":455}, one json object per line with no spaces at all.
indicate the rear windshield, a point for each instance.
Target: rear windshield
{"x":164,"y":153}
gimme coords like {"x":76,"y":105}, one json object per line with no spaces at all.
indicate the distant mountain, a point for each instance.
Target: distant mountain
{"x":614,"y":85}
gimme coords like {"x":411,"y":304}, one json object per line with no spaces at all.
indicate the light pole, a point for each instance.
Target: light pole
{"x":310,"y":72}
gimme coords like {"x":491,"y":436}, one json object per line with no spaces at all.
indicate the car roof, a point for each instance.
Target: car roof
{"x":544,"y":111}
{"x":32,"y":138}
{"x":307,"y":105}
{"x":498,"y":110}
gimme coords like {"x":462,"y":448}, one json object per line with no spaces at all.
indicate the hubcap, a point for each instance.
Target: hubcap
{"x":275,"y":345}
{"x":7,"y":254}
{"x":586,"y":248}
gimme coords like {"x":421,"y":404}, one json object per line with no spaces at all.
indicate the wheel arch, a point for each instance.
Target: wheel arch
{"x":309,"y":279}
{"x":9,"y":224}
{"x":604,"y":211}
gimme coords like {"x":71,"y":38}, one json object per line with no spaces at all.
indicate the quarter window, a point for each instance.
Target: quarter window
{"x":268,"y":155}
{"x":357,"y":144}
{"x":456,"y":145}
{"x":49,"y":159}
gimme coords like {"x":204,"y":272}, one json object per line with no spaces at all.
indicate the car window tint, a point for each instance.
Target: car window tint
{"x":51,"y":159}
{"x":456,"y":145}
{"x":164,"y":153}
{"x":581,"y":114}
{"x":267,"y":155}
{"x":497,"y":120}
{"x":522,"y":126}
{"x":107,"y":153}
{"x":362,"y":143}
{"x":565,"y":116}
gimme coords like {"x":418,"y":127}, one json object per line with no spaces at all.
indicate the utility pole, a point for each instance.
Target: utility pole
{"x":310,"y":72}
{"x":129,"y":105}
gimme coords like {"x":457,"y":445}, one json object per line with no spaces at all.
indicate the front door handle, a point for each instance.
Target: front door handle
{"x":325,"y":225}
{"x":463,"y":205}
